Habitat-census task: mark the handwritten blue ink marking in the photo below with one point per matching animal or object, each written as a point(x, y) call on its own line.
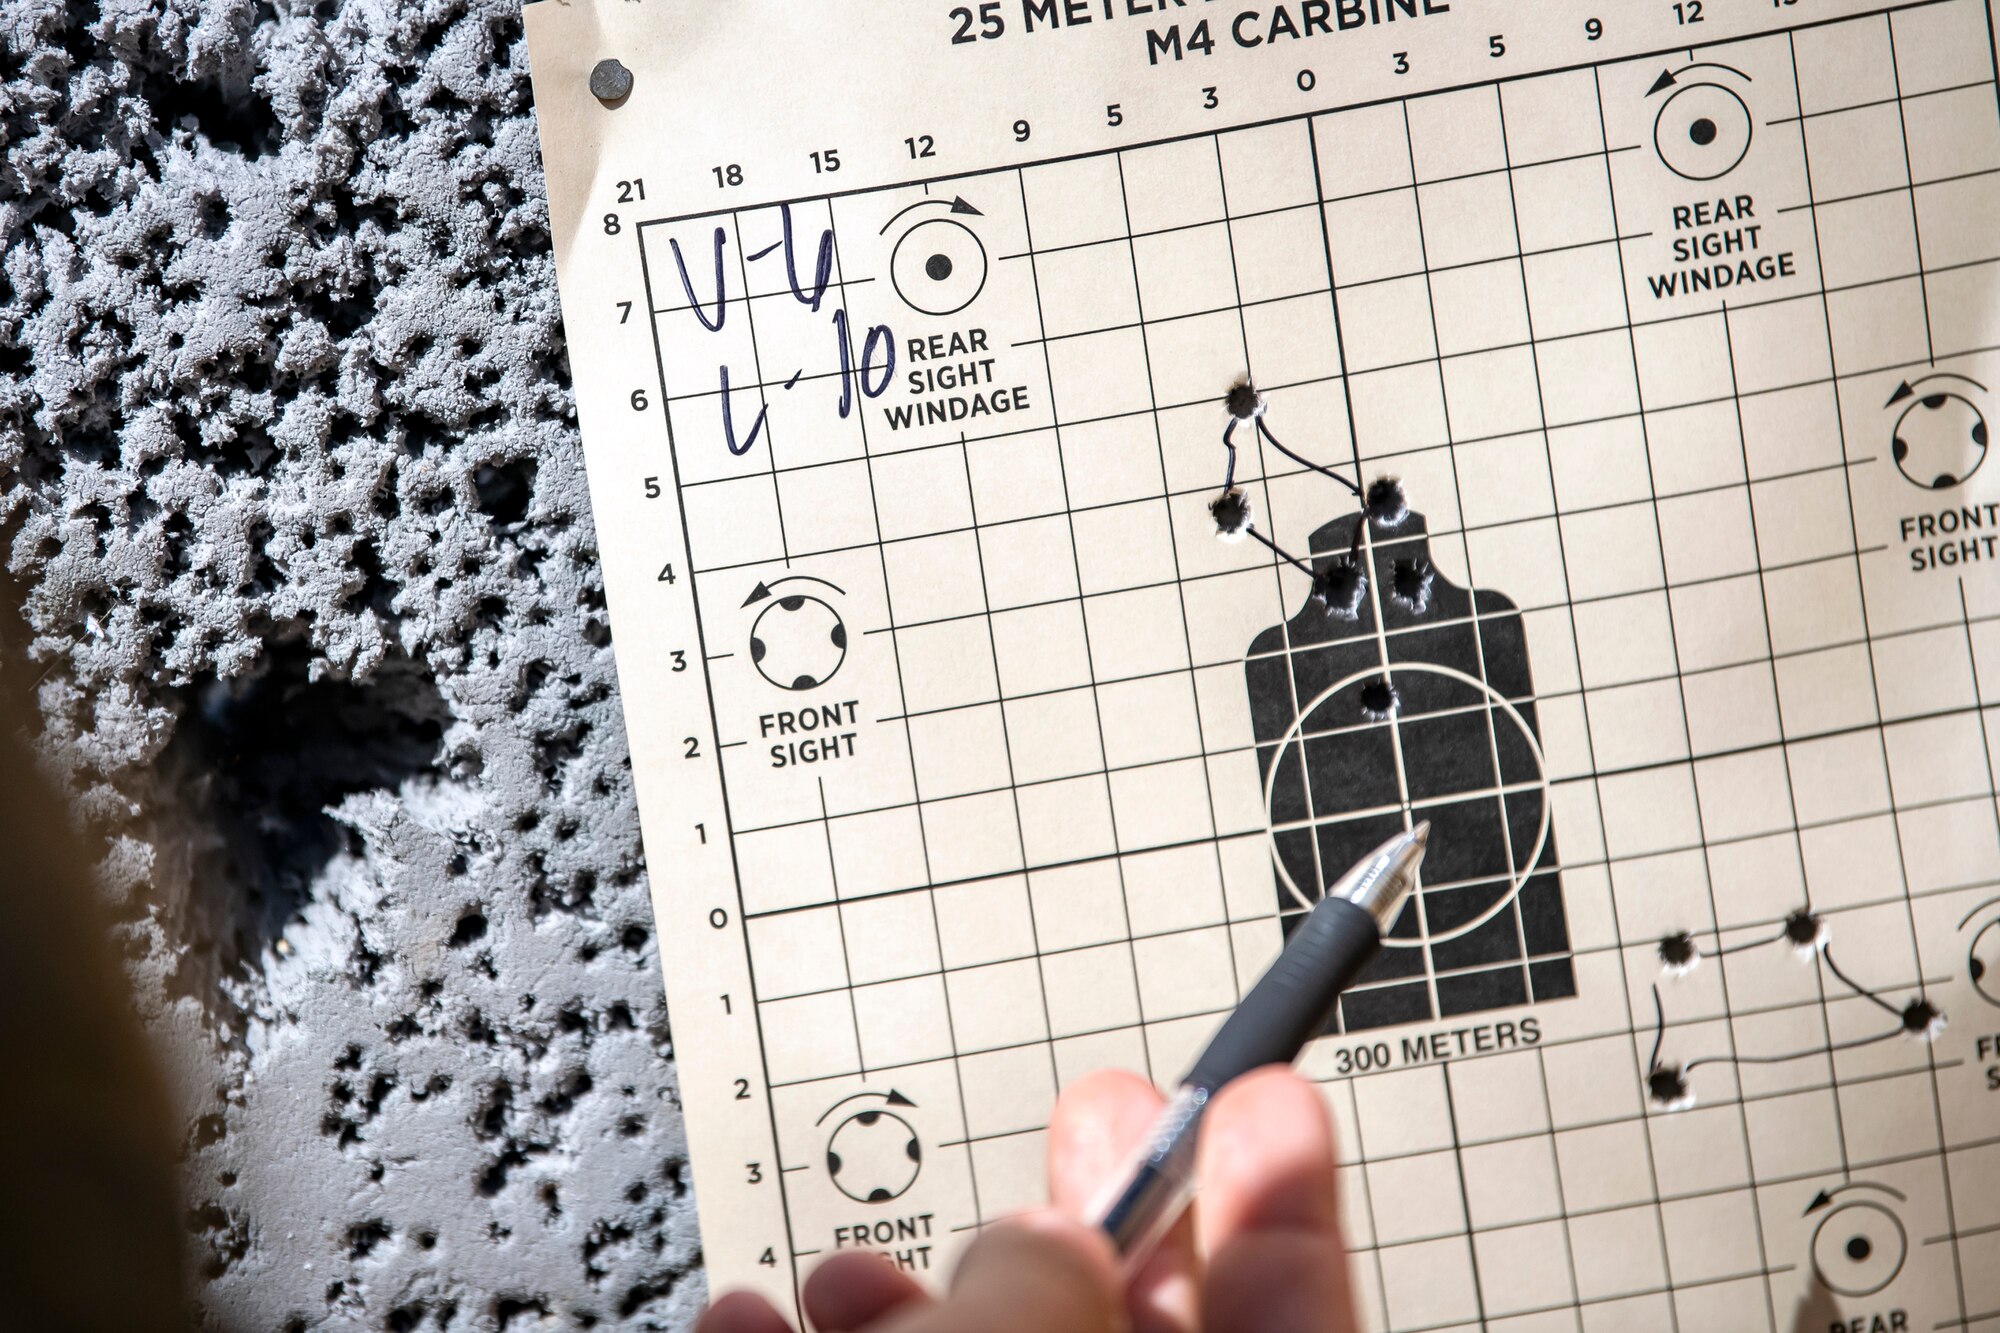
point(729, 422)
point(823, 270)
point(721, 286)
point(878, 337)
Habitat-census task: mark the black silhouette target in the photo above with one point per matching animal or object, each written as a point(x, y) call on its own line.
point(1859, 1248)
point(1939, 441)
point(939, 267)
point(798, 642)
point(1702, 131)
point(873, 1156)
point(1352, 750)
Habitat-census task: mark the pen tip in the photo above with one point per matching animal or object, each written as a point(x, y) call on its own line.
point(1383, 882)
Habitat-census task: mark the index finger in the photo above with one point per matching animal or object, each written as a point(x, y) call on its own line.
point(1099, 1121)
point(1267, 1160)
point(1269, 1211)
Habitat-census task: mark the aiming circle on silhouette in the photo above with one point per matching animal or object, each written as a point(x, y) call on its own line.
point(1344, 713)
point(1858, 1248)
point(939, 267)
point(873, 1156)
point(1702, 131)
point(1940, 440)
point(798, 642)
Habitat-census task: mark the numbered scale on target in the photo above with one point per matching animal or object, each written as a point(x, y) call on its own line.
point(1256, 64)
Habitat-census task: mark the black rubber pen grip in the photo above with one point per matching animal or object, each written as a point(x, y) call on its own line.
point(1291, 1003)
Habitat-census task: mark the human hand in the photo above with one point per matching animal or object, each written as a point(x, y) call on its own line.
point(1269, 1257)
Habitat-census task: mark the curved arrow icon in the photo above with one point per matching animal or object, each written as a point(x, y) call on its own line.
point(763, 589)
point(1825, 1197)
point(957, 202)
point(1906, 389)
point(1668, 77)
point(891, 1097)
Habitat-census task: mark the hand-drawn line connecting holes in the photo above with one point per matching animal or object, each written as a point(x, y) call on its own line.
point(1406, 805)
point(1806, 933)
point(1340, 585)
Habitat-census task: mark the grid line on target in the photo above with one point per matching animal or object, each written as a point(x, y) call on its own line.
point(1749, 394)
point(1673, 637)
point(1082, 619)
point(932, 910)
point(1870, 607)
point(1179, 573)
point(1517, 868)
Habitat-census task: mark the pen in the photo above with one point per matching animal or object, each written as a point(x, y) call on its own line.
point(1288, 1007)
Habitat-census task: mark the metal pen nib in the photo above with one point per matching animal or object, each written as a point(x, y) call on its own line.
point(1382, 883)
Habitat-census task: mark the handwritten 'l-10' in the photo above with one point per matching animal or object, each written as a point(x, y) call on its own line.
point(880, 342)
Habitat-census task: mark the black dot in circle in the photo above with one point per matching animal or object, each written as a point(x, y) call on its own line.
point(937, 268)
point(1858, 1248)
point(1702, 132)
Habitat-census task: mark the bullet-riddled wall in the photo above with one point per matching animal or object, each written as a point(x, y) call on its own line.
point(290, 480)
